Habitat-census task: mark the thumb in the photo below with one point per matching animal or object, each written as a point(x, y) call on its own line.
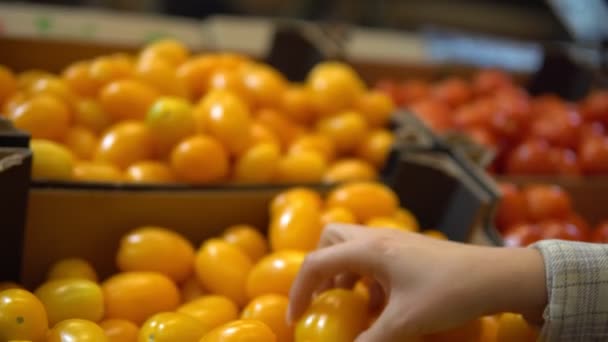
point(392, 325)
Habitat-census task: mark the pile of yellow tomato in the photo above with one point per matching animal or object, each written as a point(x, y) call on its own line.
point(232, 288)
point(167, 115)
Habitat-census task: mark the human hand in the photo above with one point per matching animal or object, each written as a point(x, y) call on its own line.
point(430, 285)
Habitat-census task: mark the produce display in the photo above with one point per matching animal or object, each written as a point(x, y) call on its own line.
point(233, 286)
point(166, 115)
point(536, 212)
point(532, 135)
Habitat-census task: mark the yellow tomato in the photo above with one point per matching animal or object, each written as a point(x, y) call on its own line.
point(195, 73)
point(191, 289)
point(345, 129)
point(170, 50)
point(337, 215)
point(171, 327)
point(169, 120)
point(97, 172)
point(275, 273)
point(376, 147)
point(301, 167)
point(286, 130)
point(71, 298)
point(388, 222)
point(22, 316)
point(161, 75)
point(295, 196)
point(211, 311)
point(12, 102)
point(106, 69)
point(8, 83)
point(271, 310)
point(156, 249)
point(127, 99)
point(150, 172)
point(76, 330)
point(125, 143)
point(226, 117)
point(260, 133)
point(314, 142)
point(78, 77)
point(376, 107)
point(89, 114)
point(43, 116)
point(258, 164)
point(200, 159)
point(119, 330)
point(334, 86)
point(336, 315)
point(297, 104)
point(51, 160)
point(263, 84)
point(350, 170)
point(247, 238)
point(135, 296)
point(365, 200)
point(81, 141)
point(435, 234)
point(26, 78)
point(72, 268)
point(241, 331)
point(296, 227)
point(228, 79)
point(407, 218)
point(513, 327)
point(222, 269)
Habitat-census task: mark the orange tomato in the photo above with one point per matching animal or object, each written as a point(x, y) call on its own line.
point(89, 114)
point(302, 167)
point(26, 78)
point(22, 316)
point(51, 160)
point(406, 218)
point(376, 147)
point(349, 170)
point(364, 199)
point(55, 87)
point(71, 298)
point(150, 172)
point(314, 142)
point(127, 99)
point(81, 141)
point(296, 227)
point(387, 222)
point(170, 50)
point(334, 86)
point(124, 144)
point(270, 310)
point(200, 159)
point(72, 268)
point(258, 165)
point(135, 296)
point(228, 79)
point(156, 249)
point(106, 69)
point(97, 172)
point(489, 329)
point(12, 102)
point(336, 315)
point(259, 133)
point(119, 330)
point(513, 327)
point(376, 107)
point(195, 74)
point(8, 83)
point(295, 196)
point(337, 215)
point(224, 116)
point(191, 289)
point(346, 130)
point(43, 116)
point(247, 238)
point(161, 75)
point(297, 104)
point(78, 78)
point(169, 120)
point(286, 130)
point(171, 327)
point(222, 269)
point(263, 84)
point(275, 273)
point(211, 311)
point(241, 331)
point(76, 330)
point(435, 234)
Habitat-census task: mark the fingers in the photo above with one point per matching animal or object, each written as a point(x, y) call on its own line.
point(335, 233)
point(389, 326)
point(377, 297)
point(325, 264)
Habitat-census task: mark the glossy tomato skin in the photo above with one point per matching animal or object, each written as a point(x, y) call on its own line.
point(71, 298)
point(211, 310)
point(271, 310)
point(22, 316)
point(274, 274)
point(522, 235)
point(593, 153)
point(244, 330)
point(532, 157)
point(512, 209)
point(560, 128)
point(600, 233)
point(547, 202)
point(76, 330)
point(170, 327)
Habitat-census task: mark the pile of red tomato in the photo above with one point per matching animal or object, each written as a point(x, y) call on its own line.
point(531, 134)
point(538, 212)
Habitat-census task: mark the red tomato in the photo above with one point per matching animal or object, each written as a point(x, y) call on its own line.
point(488, 81)
point(563, 231)
point(600, 233)
point(593, 128)
point(482, 136)
point(453, 91)
point(530, 157)
point(546, 104)
point(414, 90)
point(595, 106)
point(565, 162)
point(579, 221)
point(593, 153)
point(435, 115)
point(522, 235)
point(512, 209)
point(514, 100)
point(547, 202)
point(475, 114)
point(561, 128)
point(390, 88)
